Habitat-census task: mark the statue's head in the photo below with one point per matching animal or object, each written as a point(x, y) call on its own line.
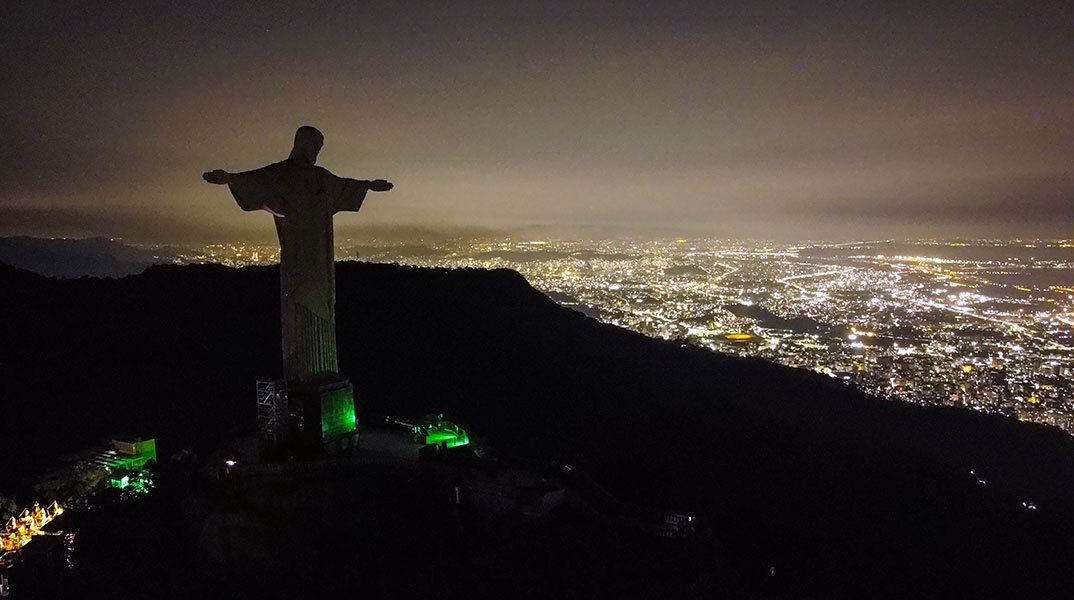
point(308, 142)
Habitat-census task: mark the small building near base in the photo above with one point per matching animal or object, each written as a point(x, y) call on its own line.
point(127, 454)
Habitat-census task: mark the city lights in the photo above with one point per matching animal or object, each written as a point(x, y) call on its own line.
point(918, 324)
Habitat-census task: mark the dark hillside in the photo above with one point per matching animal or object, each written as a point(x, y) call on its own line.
point(842, 493)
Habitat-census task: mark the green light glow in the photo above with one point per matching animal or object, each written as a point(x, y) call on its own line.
point(443, 432)
point(337, 414)
point(139, 483)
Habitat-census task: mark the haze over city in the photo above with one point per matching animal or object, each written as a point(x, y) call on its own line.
point(626, 118)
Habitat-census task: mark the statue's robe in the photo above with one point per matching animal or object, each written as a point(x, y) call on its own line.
point(302, 199)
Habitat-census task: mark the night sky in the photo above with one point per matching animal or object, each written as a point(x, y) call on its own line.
point(647, 118)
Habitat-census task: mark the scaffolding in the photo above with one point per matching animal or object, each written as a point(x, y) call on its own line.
point(272, 410)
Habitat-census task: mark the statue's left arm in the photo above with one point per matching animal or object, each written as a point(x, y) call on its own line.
point(351, 192)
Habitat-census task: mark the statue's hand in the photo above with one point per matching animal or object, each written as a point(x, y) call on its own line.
point(380, 185)
point(217, 177)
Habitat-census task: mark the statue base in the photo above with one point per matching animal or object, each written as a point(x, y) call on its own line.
point(324, 414)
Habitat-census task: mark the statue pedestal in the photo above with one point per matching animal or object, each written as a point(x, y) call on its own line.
point(326, 421)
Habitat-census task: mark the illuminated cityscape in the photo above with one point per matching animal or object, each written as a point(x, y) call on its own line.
point(982, 324)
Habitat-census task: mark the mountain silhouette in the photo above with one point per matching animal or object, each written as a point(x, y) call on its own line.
point(93, 257)
point(804, 480)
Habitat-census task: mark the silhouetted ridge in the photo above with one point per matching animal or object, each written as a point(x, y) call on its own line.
point(94, 257)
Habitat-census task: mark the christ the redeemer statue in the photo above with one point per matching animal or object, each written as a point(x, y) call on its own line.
point(302, 198)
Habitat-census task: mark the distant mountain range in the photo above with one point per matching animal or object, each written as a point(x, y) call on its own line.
point(93, 257)
point(812, 488)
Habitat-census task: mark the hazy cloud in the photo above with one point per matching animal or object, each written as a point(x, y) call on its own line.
point(685, 115)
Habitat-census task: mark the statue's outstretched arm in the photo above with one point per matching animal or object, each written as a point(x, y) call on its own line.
point(253, 190)
point(379, 185)
point(352, 192)
point(222, 177)
point(217, 177)
point(373, 185)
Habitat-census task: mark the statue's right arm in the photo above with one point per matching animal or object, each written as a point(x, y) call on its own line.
point(246, 199)
point(254, 190)
point(217, 177)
